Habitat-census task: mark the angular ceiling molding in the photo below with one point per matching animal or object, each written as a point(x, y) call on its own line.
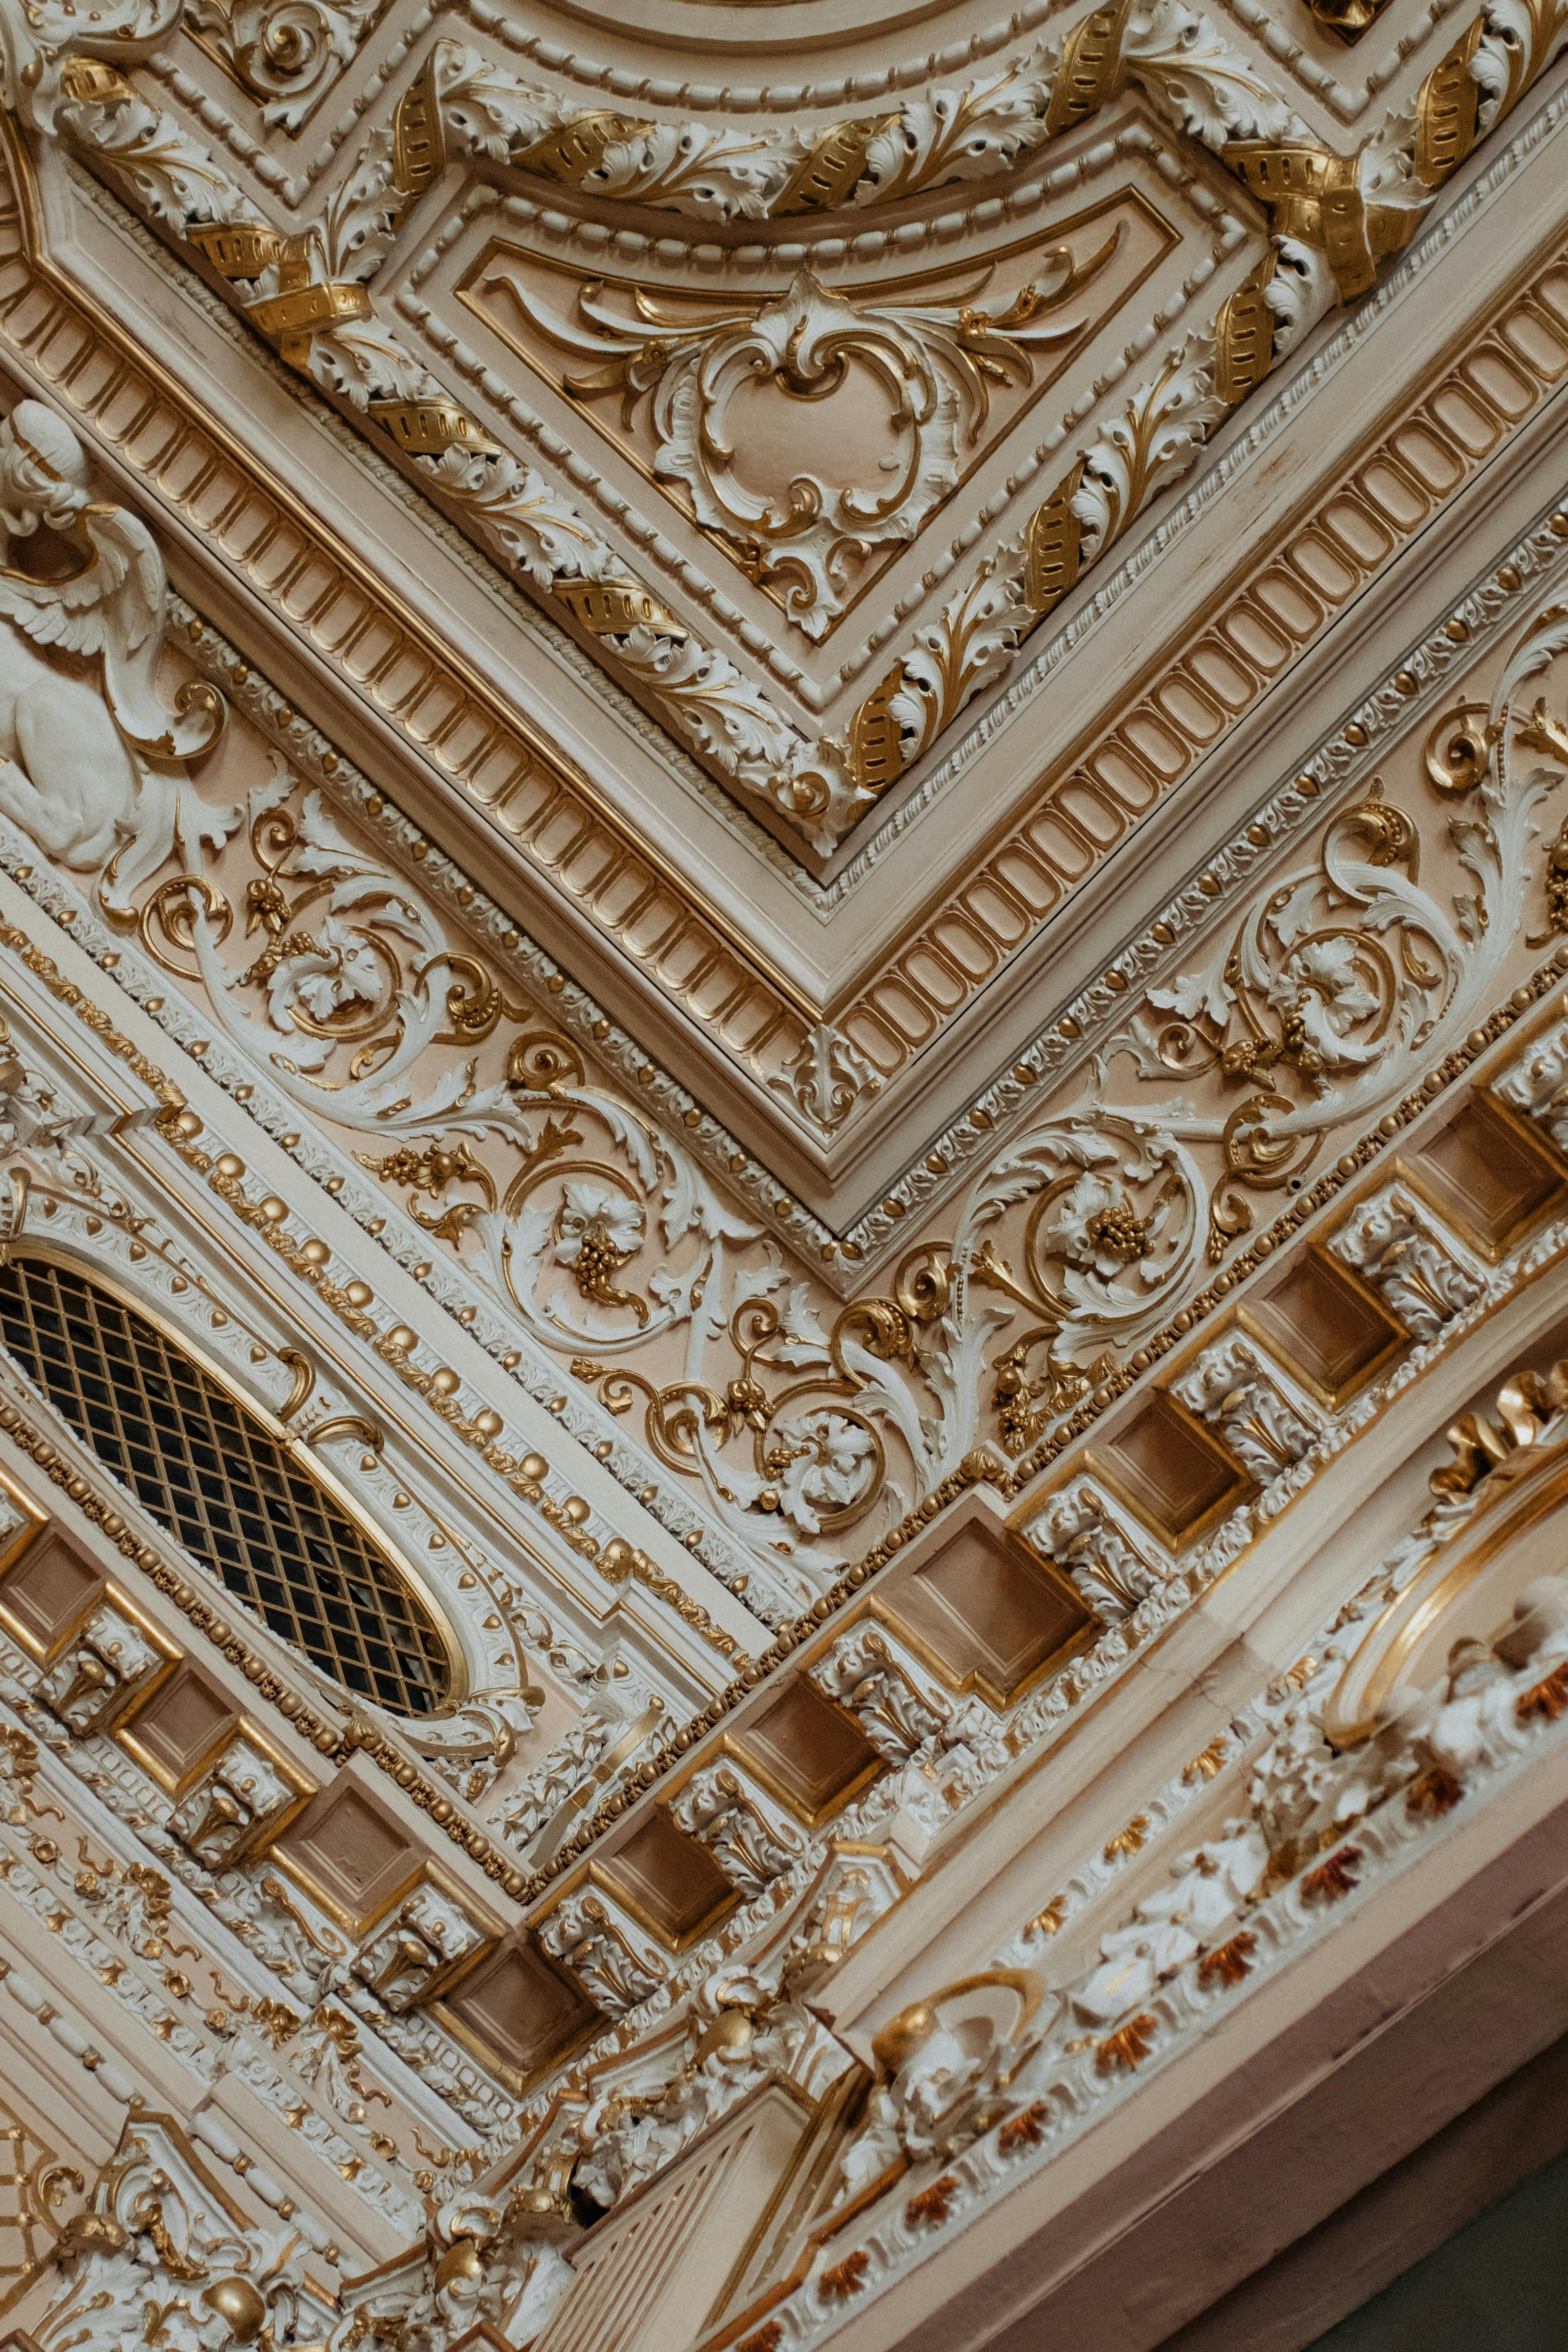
point(828, 1078)
point(306, 287)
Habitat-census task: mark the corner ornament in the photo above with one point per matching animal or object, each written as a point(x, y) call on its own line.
point(35, 41)
point(92, 772)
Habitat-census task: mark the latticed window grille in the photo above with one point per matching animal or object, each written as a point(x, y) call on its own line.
point(208, 1470)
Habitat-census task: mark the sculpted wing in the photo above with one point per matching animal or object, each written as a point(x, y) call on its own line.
point(113, 605)
point(66, 613)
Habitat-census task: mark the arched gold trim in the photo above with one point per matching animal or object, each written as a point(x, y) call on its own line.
point(1530, 1485)
point(912, 2027)
point(295, 1448)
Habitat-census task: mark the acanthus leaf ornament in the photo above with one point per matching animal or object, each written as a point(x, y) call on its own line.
point(827, 1078)
point(286, 53)
point(49, 54)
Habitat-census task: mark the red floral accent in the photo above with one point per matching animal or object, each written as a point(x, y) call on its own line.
point(1231, 1961)
point(767, 2339)
point(845, 2278)
point(1026, 2130)
point(1332, 1879)
point(1548, 1699)
point(1436, 1792)
point(1127, 2047)
point(929, 2207)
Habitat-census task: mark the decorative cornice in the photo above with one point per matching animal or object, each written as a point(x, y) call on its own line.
point(817, 790)
point(811, 1235)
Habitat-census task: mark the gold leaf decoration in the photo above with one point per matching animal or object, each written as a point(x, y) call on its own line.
point(569, 154)
point(610, 608)
point(424, 428)
point(1053, 546)
point(418, 136)
point(1446, 107)
point(876, 742)
point(1244, 336)
point(1090, 71)
point(822, 180)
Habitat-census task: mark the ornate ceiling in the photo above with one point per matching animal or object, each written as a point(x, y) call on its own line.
point(781, 844)
point(883, 512)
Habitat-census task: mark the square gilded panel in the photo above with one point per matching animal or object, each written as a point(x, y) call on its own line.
point(986, 1606)
point(1326, 1325)
point(181, 1725)
point(517, 2010)
point(1170, 1469)
point(351, 1853)
point(49, 1590)
point(1491, 1174)
point(667, 1880)
point(811, 1755)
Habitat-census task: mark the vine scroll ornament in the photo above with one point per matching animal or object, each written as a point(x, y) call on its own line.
point(690, 366)
point(804, 1422)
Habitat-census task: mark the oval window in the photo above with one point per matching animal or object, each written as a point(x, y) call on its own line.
point(230, 1493)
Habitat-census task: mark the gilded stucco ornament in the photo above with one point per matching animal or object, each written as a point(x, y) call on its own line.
point(286, 54)
point(949, 2068)
point(47, 51)
point(934, 362)
point(1393, 1243)
point(1336, 219)
point(161, 2254)
point(808, 1425)
point(1004, 2068)
point(1345, 979)
point(463, 103)
point(496, 2264)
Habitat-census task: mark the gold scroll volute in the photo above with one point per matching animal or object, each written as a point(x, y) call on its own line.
point(1090, 72)
point(1054, 546)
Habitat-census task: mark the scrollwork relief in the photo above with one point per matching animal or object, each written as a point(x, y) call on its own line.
point(1020, 2062)
point(806, 1426)
point(159, 2251)
point(498, 2264)
point(286, 54)
point(690, 369)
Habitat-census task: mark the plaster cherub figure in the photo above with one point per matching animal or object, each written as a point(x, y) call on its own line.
point(87, 747)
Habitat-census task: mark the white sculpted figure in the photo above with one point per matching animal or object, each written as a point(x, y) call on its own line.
point(1210, 1884)
point(87, 746)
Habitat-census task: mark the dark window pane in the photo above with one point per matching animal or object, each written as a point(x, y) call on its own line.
point(219, 1484)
